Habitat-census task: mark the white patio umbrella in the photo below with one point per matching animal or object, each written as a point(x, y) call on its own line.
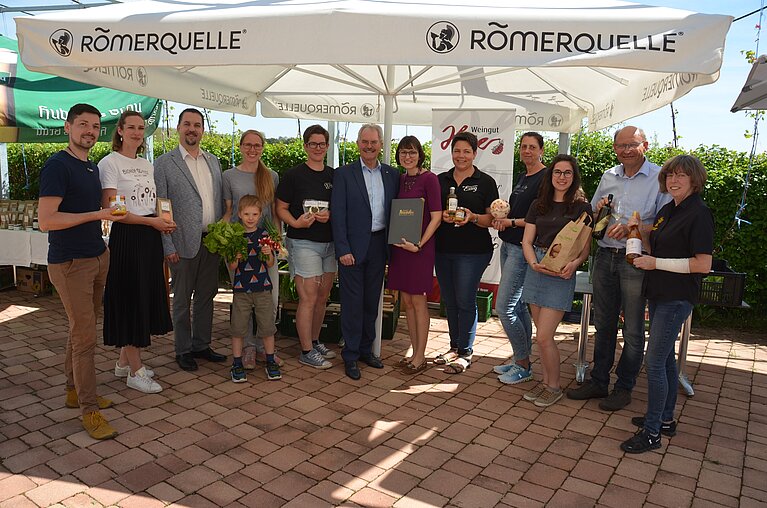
point(754, 92)
point(556, 62)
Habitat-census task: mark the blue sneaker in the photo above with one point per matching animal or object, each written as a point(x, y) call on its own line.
point(273, 371)
point(238, 374)
point(503, 369)
point(516, 374)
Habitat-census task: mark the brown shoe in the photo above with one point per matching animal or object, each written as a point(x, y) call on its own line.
point(411, 369)
point(73, 402)
point(97, 426)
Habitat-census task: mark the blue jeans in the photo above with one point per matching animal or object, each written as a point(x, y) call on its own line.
point(459, 276)
point(512, 311)
point(617, 285)
point(666, 319)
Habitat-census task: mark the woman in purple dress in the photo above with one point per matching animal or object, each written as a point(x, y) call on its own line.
point(411, 265)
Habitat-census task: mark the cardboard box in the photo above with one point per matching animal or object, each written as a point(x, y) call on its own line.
point(34, 281)
point(6, 277)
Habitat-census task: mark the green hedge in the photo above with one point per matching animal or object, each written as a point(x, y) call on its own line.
point(741, 246)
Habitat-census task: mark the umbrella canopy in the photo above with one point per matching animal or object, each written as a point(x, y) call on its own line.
point(754, 92)
point(556, 62)
point(33, 106)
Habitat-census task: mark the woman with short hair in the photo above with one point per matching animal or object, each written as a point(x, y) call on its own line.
point(679, 247)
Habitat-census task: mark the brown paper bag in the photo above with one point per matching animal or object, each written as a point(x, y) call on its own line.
point(568, 244)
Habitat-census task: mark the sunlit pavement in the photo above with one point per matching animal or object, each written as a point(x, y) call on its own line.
point(316, 438)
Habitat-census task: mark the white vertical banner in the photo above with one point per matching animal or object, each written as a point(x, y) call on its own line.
point(495, 131)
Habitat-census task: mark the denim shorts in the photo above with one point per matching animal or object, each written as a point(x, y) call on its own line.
point(546, 290)
point(307, 258)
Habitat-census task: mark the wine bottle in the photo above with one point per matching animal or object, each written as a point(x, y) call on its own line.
point(603, 218)
point(634, 241)
point(452, 203)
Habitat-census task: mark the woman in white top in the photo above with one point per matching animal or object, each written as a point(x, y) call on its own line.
point(135, 297)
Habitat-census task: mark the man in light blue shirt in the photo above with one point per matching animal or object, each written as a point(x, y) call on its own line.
point(359, 213)
point(617, 284)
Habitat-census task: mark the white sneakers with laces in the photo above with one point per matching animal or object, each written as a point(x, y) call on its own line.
point(142, 382)
point(124, 371)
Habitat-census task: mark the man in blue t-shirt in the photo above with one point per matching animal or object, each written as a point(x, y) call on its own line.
point(78, 260)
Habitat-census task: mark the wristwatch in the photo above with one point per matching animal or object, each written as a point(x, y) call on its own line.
point(513, 223)
point(475, 219)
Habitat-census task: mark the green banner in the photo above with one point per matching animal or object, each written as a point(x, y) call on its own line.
point(33, 106)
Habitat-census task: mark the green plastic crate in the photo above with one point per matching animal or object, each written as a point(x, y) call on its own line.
point(484, 305)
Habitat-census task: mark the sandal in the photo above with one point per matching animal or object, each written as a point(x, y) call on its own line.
point(458, 366)
point(445, 358)
point(411, 369)
point(402, 363)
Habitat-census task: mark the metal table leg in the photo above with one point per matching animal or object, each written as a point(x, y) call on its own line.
point(682, 358)
point(583, 339)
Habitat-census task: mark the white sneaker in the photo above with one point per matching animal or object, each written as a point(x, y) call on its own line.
point(124, 371)
point(143, 383)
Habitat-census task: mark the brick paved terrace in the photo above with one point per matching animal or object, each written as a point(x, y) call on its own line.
point(317, 439)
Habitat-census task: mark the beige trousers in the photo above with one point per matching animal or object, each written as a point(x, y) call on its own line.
point(80, 284)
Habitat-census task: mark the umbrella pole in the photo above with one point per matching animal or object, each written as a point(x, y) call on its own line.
point(388, 113)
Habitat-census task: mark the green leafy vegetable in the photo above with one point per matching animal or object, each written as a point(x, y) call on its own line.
point(227, 240)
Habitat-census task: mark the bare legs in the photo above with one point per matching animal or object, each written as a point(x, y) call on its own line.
point(417, 313)
point(312, 294)
point(546, 322)
point(131, 356)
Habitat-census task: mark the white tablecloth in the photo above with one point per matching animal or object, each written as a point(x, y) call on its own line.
point(22, 248)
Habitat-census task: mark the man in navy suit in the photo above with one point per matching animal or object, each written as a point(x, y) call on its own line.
point(359, 211)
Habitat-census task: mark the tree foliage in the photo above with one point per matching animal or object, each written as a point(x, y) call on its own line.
point(739, 245)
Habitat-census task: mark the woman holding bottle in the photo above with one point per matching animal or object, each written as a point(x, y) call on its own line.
point(463, 248)
point(252, 177)
point(548, 293)
point(512, 311)
point(679, 247)
point(135, 297)
point(411, 264)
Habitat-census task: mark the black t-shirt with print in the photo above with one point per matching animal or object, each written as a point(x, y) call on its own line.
point(476, 193)
point(679, 232)
point(521, 197)
point(299, 184)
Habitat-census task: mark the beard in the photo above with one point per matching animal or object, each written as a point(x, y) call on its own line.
point(191, 140)
point(85, 143)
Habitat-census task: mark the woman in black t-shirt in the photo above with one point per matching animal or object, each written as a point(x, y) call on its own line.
point(512, 311)
point(464, 249)
point(680, 243)
point(303, 201)
point(548, 293)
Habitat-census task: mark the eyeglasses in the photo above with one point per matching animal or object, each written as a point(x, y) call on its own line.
point(314, 145)
point(251, 146)
point(408, 153)
point(679, 174)
point(626, 146)
point(567, 174)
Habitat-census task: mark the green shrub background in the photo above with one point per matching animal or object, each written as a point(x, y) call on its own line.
point(741, 246)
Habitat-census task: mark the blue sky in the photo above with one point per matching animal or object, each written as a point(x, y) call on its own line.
point(703, 116)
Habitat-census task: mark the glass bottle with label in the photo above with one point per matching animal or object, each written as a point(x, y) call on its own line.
point(600, 225)
point(634, 241)
point(452, 203)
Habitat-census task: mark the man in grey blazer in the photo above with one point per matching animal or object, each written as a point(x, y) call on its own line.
point(191, 179)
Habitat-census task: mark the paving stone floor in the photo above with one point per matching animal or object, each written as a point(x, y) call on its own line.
point(317, 439)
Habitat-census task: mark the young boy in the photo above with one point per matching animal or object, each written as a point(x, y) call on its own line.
point(252, 290)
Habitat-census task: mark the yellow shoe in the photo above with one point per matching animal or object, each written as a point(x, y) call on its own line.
point(73, 402)
point(97, 426)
